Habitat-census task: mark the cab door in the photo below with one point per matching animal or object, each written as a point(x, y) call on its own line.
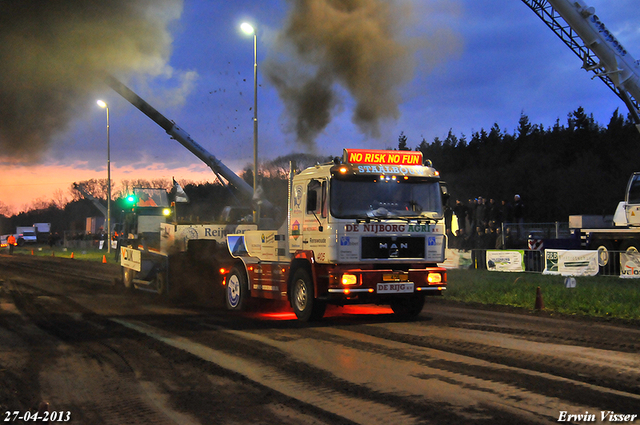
point(315, 236)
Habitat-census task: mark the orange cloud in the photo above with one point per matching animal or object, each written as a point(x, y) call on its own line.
point(22, 185)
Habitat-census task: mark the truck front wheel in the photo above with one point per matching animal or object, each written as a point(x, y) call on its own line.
point(304, 304)
point(236, 290)
point(408, 308)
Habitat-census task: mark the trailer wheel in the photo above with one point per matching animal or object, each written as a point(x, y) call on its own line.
point(306, 307)
point(162, 286)
point(127, 278)
point(236, 290)
point(407, 308)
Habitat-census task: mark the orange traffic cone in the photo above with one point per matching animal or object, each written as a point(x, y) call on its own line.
point(539, 302)
point(32, 252)
point(104, 259)
point(72, 255)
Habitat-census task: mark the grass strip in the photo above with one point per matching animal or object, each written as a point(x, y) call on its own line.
point(598, 296)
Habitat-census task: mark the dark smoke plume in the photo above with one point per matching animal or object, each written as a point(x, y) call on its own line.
point(53, 53)
point(351, 43)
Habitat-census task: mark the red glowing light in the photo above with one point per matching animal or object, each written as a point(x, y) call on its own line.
point(353, 310)
point(281, 312)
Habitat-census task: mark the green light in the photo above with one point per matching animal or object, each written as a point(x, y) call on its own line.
point(131, 199)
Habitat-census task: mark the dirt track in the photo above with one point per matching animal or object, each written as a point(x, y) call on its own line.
point(72, 339)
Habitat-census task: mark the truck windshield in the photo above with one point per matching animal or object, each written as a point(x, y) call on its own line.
point(366, 197)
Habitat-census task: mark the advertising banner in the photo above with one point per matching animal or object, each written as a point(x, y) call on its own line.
point(630, 265)
point(570, 263)
point(456, 259)
point(505, 261)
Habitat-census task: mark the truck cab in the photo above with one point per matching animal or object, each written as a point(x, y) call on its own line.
point(628, 212)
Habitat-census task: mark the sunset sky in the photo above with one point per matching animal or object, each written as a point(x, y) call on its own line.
point(439, 65)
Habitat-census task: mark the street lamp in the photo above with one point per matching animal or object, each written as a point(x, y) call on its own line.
point(102, 104)
point(249, 29)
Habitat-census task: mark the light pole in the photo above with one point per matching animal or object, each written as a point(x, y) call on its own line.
point(249, 29)
point(102, 104)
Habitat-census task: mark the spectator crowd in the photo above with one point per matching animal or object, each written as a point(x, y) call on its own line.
point(478, 224)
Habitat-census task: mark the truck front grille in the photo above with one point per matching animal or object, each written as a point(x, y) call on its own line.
point(380, 247)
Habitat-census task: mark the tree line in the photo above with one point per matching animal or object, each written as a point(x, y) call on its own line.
point(576, 167)
point(573, 168)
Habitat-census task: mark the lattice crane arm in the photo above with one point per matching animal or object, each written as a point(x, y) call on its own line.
point(581, 30)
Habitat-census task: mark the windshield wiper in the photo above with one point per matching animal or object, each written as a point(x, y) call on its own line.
point(380, 212)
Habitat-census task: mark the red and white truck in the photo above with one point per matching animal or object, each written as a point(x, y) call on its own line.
point(368, 229)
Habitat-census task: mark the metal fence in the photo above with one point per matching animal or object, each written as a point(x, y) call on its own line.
point(524, 232)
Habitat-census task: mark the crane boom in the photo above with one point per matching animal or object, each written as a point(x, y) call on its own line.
point(581, 30)
point(80, 188)
point(181, 136)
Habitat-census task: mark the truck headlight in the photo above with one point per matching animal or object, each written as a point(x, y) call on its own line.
point(349, 279)
point(434, 278)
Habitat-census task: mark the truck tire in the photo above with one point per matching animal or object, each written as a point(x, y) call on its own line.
point(605, 254)
point(631, 245)
point(162, 284)
point(236, 290)
point(306, 307)
point(407, 307)
point(127, 278)
point(608, 259)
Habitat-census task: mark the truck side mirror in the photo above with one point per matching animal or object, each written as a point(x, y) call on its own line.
point(444, 192)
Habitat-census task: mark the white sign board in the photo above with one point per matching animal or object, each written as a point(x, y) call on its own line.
point(630, 265)
point(570, 263)
point(456, 259)
point(505, 261)
point(130, 258)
